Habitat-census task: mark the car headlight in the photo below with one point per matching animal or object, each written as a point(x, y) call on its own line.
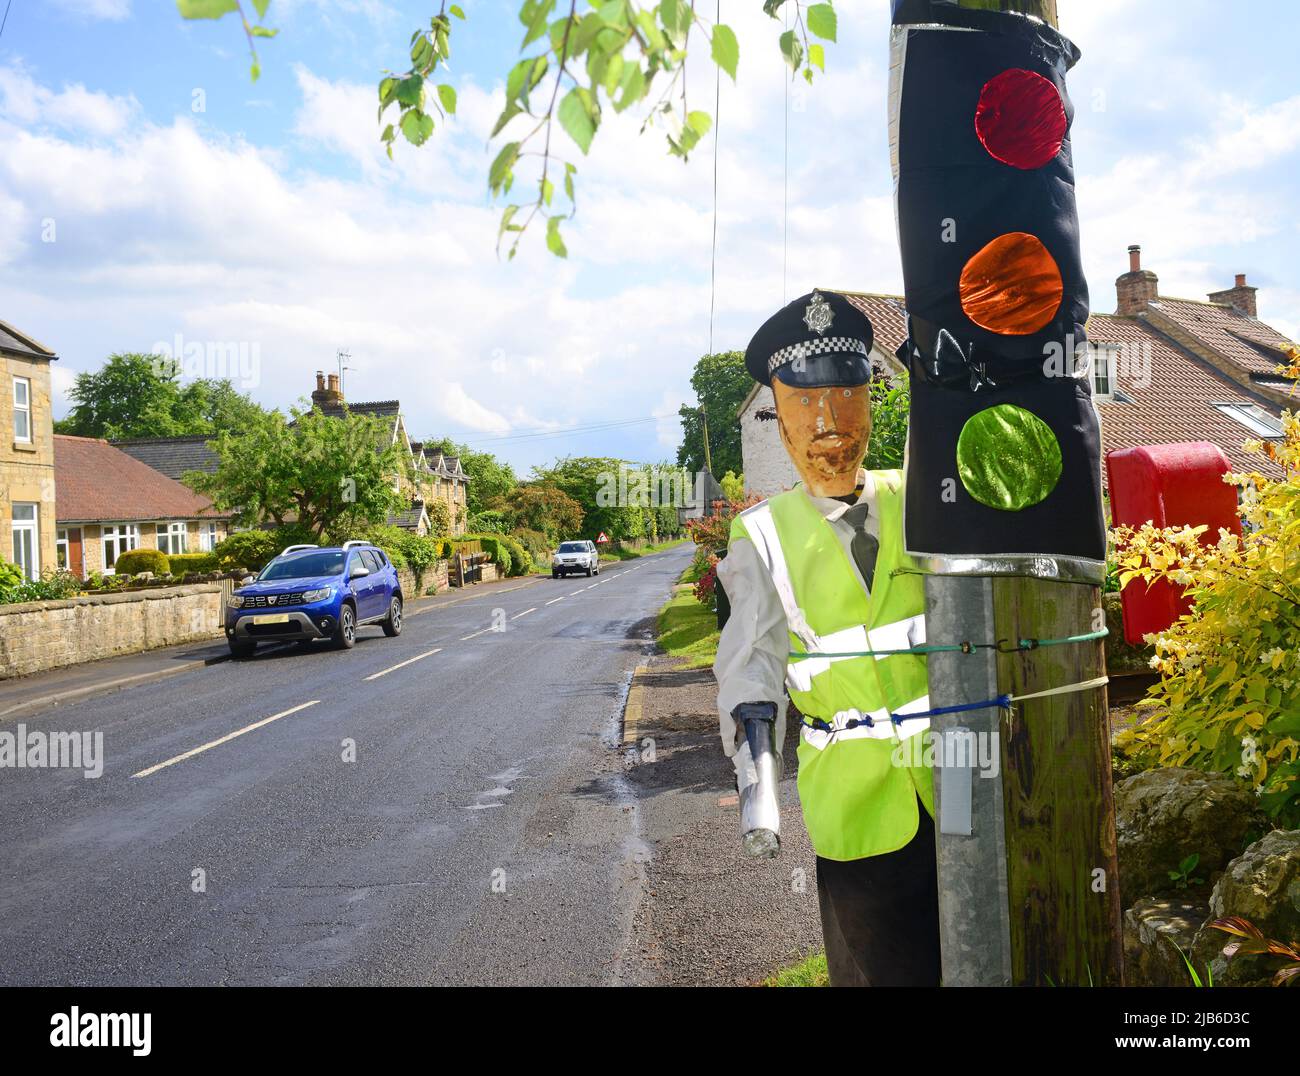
point(236, 601)
point(317, 595)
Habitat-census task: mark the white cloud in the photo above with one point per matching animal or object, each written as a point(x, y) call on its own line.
point(73, 109)
point(112, 10)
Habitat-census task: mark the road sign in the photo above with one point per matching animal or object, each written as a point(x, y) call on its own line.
point(602, 538)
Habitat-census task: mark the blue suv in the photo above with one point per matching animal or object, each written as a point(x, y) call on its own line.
point(311, 593)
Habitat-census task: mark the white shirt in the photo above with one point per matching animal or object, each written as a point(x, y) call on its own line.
point(755, 643)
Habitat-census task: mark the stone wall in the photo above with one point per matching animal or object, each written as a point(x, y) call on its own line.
point(36, 636)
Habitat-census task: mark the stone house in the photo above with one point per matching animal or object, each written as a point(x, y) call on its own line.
point(1163, 370)
point(443, 480)
point(27, 512)
point(109, 502)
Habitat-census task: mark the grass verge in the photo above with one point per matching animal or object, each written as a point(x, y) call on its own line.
point(686, 629)
point(811, 972)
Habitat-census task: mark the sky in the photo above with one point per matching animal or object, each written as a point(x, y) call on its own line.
point(150, 193)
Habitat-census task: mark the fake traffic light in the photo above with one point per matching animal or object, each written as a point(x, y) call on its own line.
point(1003, 448)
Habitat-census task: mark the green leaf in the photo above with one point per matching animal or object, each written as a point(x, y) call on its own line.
point(548, 191)
point(205, 9)
point(577, 116)
point(417, 126)
point(817, 56)
point(262, 31)
point(533, 15)
point(726, 49)
point(822, 22)
point(505, 161)
point(455, 10)
point(699, 122)
point(508, 113)
point(632, 87)
point(553, 241)
point(569, 170)
point(410, 91)
point(791, 49)
point(255, 71)
point(447, 95)
point(261, 6)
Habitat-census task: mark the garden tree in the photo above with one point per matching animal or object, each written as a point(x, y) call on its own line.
point(541, 506)
point(733, 486)
point(721, 384)
point(134, 395)
point(578, 61)
point(489, 477)
point(889, 410)
point(320, 471)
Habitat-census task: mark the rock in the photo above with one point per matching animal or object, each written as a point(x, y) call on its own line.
point(1164, 815)
point(1155, 929)
point(1261, 885)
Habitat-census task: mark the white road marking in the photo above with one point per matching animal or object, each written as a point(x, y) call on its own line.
point(524, 613)
point(592, 585)
point(224, 739)
point(403, 664)
point(554, 600)
point(466, 638)
point(578, 591)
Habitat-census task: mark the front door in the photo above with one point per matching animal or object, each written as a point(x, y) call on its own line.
point(76, 558)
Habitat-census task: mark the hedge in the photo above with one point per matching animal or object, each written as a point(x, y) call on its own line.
point(142, 560)
point(192, 562)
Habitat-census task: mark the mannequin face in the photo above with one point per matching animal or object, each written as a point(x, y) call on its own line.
point(826, 431)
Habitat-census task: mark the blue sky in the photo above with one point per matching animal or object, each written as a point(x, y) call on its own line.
point(272, 220)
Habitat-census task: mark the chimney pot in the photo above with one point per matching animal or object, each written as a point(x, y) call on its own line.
point(320, 381)
point(1241, 280)
point(334, 382)
point(1137, 287)
point(1134, 258)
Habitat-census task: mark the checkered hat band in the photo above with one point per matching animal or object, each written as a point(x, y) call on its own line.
point(808, 348)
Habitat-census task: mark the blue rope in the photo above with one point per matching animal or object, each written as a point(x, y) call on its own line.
point(1002, 701)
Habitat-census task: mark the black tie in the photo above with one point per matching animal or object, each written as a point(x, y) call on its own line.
point(864, 546)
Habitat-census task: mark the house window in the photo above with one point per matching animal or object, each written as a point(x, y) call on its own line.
point(118, 540)
point(61, 548)
point(207, 537)
point(27, 546)
point(1101, 367)
point(1254, 418)
point(171, 537)
point(22, 409)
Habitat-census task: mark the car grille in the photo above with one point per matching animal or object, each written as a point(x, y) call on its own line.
point(263, 601)
point(275, 629)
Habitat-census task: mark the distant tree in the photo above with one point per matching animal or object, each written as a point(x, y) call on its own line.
point(594, 482)
point(541, 506)
point(321, 471)
point(721, 384)
point(489, 477)
point(135, 395)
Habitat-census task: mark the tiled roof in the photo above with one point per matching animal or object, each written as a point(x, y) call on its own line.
point(1172, 401)
point(172, 456)
point(408, 519)
point(95, 482)
point(1241, 339)
point(19, 343)
point(383, 408)
point(888, 317)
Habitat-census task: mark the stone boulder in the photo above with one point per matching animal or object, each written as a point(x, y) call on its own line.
point(1164, 815)
point(1157, 932)
point(1261, 885)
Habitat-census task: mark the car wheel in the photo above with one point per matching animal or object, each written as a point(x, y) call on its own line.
point(597, 569)
point(393, 625)
point(555, 575)
point(345, 635)
point(241, 650)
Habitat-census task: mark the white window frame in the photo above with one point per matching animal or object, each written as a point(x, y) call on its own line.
point(1103, 363)
point(124, 536)
point(207, 537)
point(167, 534)
point(62, 551)
point(1252, 416)
point(24, 409)
point(28, 559)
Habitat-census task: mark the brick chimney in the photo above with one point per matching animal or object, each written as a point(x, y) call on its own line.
point(1241, 295)
point(1137, 287)
point(326, 397)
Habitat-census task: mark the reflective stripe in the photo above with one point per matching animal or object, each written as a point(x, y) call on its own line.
point(881, 728)
point(762, 532)
point(800, 671)
point(900, 635)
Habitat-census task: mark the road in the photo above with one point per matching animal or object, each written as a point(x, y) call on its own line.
point(484, 832)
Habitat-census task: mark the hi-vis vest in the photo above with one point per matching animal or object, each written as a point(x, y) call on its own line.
point(857, 800)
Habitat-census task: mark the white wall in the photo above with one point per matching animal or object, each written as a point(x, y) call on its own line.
point(768, 469)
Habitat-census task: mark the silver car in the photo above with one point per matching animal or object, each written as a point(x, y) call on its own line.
point(574, 557)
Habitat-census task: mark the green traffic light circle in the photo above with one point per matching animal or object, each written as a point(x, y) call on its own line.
point(1008, 458)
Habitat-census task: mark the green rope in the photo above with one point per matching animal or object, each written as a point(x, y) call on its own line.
point(962, 648)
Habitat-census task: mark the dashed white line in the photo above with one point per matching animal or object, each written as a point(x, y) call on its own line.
point(578, 591)
point(524, 613)
point(466, 638)
point(224, 739)
point(554, 600)
point(403, 664)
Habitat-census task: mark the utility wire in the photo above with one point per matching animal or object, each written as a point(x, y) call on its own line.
point(6, 18)
point(785, 173)
point(717, 131)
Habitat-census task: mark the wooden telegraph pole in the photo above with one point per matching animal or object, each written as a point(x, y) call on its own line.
point(1028, 877)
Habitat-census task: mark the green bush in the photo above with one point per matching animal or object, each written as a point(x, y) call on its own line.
point(143, 560)
point(536, 543)
point(421, 553)
point(489, 522)
point(10, 575)
point(192, 562)
point(52, 586)
point(509, 555)
point(247, 549)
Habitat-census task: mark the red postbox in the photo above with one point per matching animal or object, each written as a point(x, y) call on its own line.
point(1179, 485)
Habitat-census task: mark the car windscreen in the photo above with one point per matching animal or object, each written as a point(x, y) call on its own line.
point(303, 567)
point(572, 547)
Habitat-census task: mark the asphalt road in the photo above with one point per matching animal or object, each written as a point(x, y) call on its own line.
point(484, 832)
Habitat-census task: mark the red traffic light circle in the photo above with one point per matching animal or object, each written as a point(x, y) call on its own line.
point(1020, 118)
